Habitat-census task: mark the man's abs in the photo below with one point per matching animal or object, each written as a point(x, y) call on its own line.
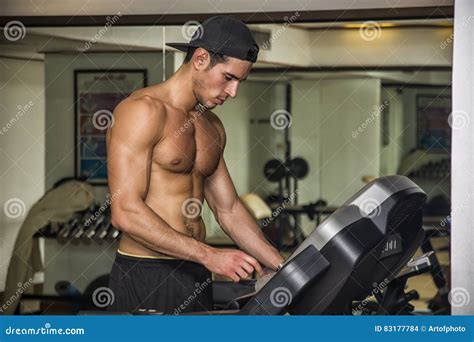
point(194, 228)
point(178, 200)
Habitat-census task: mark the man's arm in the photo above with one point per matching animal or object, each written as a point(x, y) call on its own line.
point(234, 218)
point(137, 128)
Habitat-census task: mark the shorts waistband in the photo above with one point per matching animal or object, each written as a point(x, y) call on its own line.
point(137, 259)
point(160, 257)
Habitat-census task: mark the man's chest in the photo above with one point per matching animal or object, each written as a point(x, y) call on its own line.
point(189, 145)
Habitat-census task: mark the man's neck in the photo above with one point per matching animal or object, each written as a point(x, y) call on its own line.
point(180, 90)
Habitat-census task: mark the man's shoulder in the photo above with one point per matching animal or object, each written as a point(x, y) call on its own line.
point(142, 105)
point(218, 125)
point(142, 117)
point(144, 99)
point(214, 118)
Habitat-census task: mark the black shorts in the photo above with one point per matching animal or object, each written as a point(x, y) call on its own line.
point(166, 285)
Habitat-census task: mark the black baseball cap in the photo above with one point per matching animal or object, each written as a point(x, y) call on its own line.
point(223, 34)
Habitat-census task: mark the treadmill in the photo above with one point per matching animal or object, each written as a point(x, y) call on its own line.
point(362, 246)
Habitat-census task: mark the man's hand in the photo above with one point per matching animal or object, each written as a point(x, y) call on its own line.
point(231, 263)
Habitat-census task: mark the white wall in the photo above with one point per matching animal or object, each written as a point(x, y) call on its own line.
point(250, 145)
point(462, 238)
point(306, 135)
point(391, 155)
point(306, 140)
point(22, 150)
point(325, 116)
point(346, 105)
point(265, 141)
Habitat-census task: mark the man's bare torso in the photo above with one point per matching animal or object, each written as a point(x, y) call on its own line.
point(188, 152)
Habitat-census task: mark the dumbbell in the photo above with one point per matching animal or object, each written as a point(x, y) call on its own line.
point(113, 234)
point(90, 232)
point(103, 229)
point(78, 231)
point(275, 170)
point(65, 232)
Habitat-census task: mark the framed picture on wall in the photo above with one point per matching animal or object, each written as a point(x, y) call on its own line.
point(433, 132)
point(96, 94)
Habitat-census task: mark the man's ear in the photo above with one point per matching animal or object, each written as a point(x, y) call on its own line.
point(201, 59)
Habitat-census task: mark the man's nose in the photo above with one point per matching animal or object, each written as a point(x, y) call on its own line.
point(231, 90)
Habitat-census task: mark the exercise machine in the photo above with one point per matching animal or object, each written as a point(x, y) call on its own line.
point(362, 246)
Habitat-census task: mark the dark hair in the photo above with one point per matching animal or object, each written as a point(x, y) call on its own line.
point(215, 57)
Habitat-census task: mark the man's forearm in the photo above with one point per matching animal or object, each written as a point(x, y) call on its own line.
point(142, 224)
point(242, 228)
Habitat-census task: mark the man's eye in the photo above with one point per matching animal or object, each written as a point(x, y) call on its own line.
point(228, 78)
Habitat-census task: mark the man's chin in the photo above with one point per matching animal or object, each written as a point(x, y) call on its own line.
point(211, 105)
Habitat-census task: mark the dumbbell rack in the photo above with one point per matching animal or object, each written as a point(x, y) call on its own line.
point(85, 227)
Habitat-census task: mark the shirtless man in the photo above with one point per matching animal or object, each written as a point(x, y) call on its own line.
point(165, 156)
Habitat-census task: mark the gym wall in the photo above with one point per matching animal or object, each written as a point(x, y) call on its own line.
point(392, 154)
point(22, 148)
point(250, 141)
point(337, 160)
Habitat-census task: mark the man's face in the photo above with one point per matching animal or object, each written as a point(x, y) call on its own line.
point(215, 85)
